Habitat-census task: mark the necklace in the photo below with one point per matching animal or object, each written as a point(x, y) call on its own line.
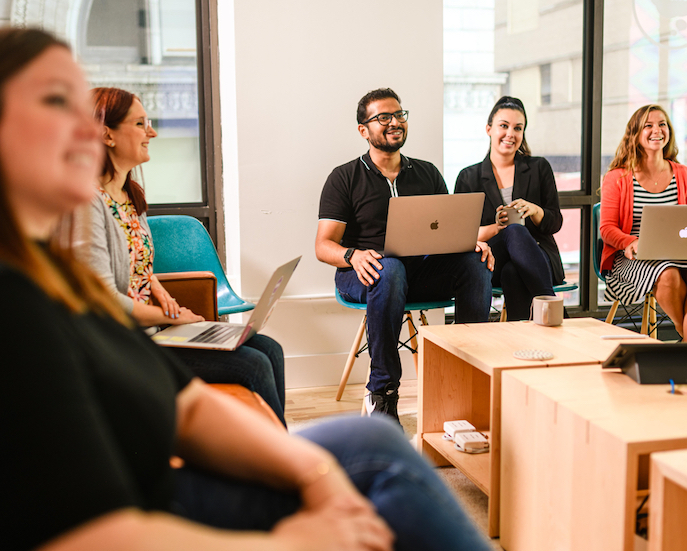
point(659, 174)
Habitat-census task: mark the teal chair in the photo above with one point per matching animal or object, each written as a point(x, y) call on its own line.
point(649, 322)
point(497, 292)
point(356, 349)
point(182, 244)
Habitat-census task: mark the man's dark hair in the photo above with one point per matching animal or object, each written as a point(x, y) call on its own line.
point(374, 95)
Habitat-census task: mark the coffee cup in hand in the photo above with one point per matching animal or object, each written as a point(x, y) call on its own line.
point(547, 310)
point(514, 216)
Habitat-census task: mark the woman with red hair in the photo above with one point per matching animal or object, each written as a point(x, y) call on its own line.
point(120, 249)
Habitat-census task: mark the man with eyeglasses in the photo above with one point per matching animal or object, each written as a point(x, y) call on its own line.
point(351, 230)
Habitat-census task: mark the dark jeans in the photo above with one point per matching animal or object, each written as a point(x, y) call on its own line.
point(258, 364)
point(414, 279)
point(403, 487)
point(522, 270)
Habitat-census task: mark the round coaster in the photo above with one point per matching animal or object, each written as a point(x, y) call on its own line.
point(540, 355)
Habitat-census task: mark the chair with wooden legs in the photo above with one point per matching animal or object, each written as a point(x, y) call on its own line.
point(649, 307)
point(409, 344)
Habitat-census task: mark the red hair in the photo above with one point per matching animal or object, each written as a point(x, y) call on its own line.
point(111, 107)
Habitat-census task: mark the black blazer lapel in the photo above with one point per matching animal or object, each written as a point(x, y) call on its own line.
point(523, 173)
point(491, 188)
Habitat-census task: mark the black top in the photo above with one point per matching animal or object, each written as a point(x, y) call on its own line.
point(534, 182)
point(88, 416)
point(357, 194)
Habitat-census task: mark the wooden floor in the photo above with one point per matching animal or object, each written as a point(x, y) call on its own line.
point(305, 404)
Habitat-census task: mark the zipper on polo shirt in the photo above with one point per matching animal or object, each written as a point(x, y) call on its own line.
point(392, 187)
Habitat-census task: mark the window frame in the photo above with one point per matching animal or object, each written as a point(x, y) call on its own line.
point(209, 134)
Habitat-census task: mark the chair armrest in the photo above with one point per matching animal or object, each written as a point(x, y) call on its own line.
point(251, 399)
point(196, 291)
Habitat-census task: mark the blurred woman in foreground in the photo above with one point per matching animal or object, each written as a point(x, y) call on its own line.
point(92, 410)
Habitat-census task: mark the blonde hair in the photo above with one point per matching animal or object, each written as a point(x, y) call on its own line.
point(53, 267)
point(630, 154)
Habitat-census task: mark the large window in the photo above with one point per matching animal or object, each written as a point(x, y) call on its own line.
point(582, 67)
point(150, 48)
point(645, 61)
point(498, 47)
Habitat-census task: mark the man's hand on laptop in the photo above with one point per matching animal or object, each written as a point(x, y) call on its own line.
point(366, 265)
point(486, 254)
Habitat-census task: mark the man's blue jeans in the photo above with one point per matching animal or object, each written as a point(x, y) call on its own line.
point(400, 483)
point(522, 270)
point(414, 279)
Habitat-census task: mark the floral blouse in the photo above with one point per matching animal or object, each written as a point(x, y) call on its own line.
point(140, 248)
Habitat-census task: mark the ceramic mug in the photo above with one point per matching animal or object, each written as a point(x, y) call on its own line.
point(514, 216)
point(547, 310)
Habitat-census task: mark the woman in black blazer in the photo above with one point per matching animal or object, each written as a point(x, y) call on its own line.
point(528, 263)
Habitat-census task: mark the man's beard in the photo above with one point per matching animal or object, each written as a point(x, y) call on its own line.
point(386, 146)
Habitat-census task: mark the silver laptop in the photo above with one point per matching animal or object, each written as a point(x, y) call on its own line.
point(663, 233)
point(433, 224)
point(219, 335)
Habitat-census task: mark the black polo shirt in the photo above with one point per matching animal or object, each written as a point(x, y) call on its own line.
point(357, 194)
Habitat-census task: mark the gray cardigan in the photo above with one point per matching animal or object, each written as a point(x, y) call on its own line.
point(106, 251)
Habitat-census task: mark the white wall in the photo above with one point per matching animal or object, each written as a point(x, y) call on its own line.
point(299, 69)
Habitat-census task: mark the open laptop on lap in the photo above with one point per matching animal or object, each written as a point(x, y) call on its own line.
point(433, 224)
point(217, 335)
point(663, 233)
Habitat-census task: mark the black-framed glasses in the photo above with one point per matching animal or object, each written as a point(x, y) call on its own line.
point(385, 118)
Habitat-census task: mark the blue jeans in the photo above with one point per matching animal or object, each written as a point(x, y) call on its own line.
point(414, 279)
point(258, 364)
point(406, 492)
point(522, 270)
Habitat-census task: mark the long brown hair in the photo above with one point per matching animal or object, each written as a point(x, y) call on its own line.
point(111, 107)
point(630, 154)
point(54, 270)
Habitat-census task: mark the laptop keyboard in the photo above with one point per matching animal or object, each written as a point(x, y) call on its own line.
point(217, 334)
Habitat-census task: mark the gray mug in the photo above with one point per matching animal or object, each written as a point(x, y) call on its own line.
point(547, 310)
point(514, 216)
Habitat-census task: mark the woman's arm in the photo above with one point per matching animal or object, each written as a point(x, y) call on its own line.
point(546, 215)
point(107, 256)
point(134, 530)
point(219, 433)
point(611, 232)
point(468, 182)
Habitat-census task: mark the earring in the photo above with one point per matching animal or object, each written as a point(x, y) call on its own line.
point(112, 144)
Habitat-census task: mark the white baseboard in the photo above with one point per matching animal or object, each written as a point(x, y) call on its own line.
point(326, 369)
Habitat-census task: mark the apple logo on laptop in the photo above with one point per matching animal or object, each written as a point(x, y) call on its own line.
point(435, 225)
point(683, 233)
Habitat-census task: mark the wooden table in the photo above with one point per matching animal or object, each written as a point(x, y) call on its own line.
point(668, 501)
point(459, 377)
point(575, 451)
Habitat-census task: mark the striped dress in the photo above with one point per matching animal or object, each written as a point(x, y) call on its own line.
point(629, 280)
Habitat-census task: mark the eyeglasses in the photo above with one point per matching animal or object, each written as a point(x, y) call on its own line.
point(385, 118)
point(145, 123)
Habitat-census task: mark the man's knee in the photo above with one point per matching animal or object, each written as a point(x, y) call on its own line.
point(472, 265)
point(392, 277)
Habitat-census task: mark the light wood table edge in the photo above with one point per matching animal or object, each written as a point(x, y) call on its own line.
point(661, 471)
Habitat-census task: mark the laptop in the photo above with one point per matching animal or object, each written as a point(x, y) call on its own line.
point(433, 224)
point(218, 335)
point(663, 233)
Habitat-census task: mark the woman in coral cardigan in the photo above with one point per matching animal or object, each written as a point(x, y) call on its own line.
point(644, 171)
